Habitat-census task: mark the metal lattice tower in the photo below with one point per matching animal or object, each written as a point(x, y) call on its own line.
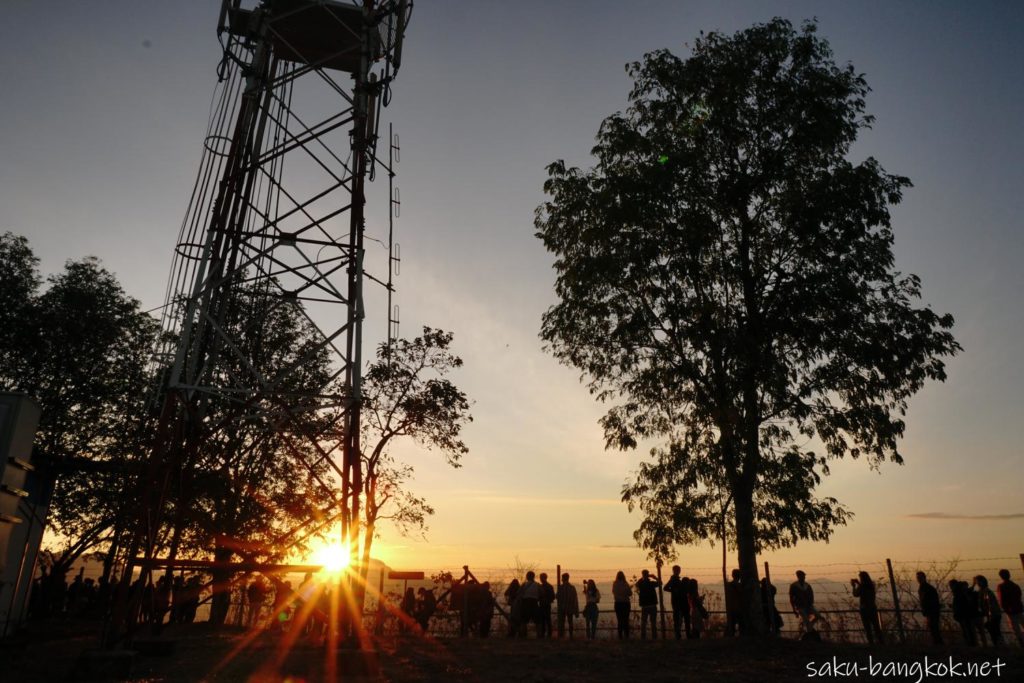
point(277, 212)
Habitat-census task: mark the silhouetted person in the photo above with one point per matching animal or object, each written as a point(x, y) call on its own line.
point(1010, 600)
point(485, 609)
point(283, 597)
point(698, 615)
point(864, 591)
point(592, 596)
point(476, 600)
point(547, 597)
point(307, 594)
point(39, 597)
point(733, 604)
point(965, 610)
point(462, 597)
point(930, 606)
point(425, 608)
point(979, 618)
point(161, 602)
point(255, 595)
point(40, 600)
point(103, 592)
point(60, 592)
point(193, 587)
point(74, 593)
point(178, 599)
point(466, 598)
point(676, 587)
point(622, 593)
point(511, 593)
point(991, 615)
point(88, 600)
point(408, 610)
point(122, 594)
point(143, 592)
point(528, 597)
point(324, 602)
point(772, 618)
point(647, 596)
point(801, 599)
point(568, 605)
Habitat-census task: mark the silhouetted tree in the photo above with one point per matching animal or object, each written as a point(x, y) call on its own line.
point(726, 278)
point(407, 395)
point(80, 346)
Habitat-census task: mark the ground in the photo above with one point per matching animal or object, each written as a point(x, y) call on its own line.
point(202, 654)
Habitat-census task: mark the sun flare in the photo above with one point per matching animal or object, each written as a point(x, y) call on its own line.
point(333, 558)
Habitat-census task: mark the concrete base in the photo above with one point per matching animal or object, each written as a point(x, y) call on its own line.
point(104, 665)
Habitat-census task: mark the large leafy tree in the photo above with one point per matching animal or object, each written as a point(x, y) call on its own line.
point(726, 280)
point(80, 346)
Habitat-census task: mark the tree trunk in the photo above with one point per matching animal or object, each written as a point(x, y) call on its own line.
point(220, 603)
point(753, 614)
point(364, 567)
point(725, 560)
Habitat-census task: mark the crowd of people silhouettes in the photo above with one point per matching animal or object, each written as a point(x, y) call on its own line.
point(165, 600)
point(553, 610)
point(978, 610)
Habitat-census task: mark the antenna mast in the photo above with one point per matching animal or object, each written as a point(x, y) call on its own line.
point(275, 227)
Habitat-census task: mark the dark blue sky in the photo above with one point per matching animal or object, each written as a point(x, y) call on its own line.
point(102, 114)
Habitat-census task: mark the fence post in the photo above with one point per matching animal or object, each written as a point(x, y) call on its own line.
point(896, 601)
point(558, 587)
point(464, 612)
point(661, 602)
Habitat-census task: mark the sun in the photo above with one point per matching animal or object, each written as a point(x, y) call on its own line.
point(334, 557)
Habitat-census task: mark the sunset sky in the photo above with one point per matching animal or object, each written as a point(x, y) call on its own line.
point(102, 114)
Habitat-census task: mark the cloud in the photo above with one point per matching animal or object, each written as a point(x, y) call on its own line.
point(946, 515)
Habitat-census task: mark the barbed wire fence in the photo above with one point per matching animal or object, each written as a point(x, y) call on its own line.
point(896, 591)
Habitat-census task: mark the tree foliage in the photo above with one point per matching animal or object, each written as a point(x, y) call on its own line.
point(684, 500)
point(726, 280)
point(407, 395)
point(80, 346)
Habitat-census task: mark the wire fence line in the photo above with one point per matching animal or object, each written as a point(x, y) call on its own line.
point(896, 590)
point(841, 626)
